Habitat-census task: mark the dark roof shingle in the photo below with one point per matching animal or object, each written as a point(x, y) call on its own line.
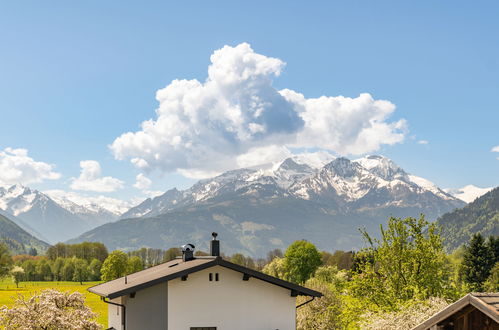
point(178, 268)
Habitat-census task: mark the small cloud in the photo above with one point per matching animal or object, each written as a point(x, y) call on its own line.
point(17, 167)
point(142, 182)
point(90, 180)
point(495, 149)
point(423, 142)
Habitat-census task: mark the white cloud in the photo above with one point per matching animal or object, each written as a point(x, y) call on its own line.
point(495, 149)
point(17, 167)
point(142, 182)
point(423, 142)
point(113, 205)
point(237, 118)
point(263, 155)
point(468, 193)
point(90, 179)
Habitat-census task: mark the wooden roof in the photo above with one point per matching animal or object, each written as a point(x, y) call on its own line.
point(487, 303)
point(178, 268)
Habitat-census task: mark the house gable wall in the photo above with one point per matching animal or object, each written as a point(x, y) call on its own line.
point(229, 303)
point(146, 310)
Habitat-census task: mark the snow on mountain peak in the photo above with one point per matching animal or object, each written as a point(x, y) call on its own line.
point(468, 193)
point(382, 167)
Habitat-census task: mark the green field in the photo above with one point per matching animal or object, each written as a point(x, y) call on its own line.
point(8, 294)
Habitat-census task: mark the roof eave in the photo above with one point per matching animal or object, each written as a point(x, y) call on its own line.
point(298, 289)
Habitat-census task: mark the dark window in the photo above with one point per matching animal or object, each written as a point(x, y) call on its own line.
point(216, 277)
point(203, 328)
point(211, 276)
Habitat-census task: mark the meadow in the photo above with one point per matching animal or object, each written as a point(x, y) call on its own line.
point(8, 294)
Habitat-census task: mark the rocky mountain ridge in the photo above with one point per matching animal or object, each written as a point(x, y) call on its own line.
point(256, 210)
point(49, 219)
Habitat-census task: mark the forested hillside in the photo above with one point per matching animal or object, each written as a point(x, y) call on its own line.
point(18, 240)
point(480, 216)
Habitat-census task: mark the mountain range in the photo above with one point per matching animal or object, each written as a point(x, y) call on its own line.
point(48, 219)
point(258, 209)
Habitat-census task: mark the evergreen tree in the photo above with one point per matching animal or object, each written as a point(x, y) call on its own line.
point(477, 263)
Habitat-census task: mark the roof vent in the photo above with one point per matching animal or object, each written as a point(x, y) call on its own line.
point(187, 252)
point(215, 245)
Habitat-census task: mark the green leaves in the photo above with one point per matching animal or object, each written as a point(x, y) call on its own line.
point(300, 261)
point(406, 262)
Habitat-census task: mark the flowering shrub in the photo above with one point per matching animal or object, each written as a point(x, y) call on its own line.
point(49, 310)
point(407, 317)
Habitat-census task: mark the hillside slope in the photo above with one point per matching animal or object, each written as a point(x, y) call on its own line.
point(480, 216)
point(18, 240)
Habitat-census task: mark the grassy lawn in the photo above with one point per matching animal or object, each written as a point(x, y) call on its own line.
point(8, 293)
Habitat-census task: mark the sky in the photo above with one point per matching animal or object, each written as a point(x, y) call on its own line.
point(126, 99)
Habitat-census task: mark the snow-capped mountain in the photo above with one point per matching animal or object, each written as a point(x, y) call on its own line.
point(469, 192)
point(49, 219)
point(372, 182)
point(258, 209)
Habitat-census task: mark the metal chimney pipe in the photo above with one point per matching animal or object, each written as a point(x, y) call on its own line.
point(215, 245)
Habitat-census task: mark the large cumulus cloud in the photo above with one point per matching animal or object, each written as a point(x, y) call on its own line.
point(237, 116)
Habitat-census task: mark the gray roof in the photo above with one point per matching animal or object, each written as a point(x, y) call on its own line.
point(487, 303)
point(178, 268)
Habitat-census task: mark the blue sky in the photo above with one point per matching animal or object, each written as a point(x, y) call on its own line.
point(76, 76)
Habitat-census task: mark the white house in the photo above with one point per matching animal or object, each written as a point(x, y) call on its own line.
point(201, 293)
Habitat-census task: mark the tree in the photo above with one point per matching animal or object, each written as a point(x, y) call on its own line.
point(50, 309)
point(171, 254)
point(492, 283)
point(134, 265)
point(114, 266)
point(478, 260)
point(341, 259)
point(68, 269)
point(33, 252)
point(275, 268)
point(17, 274)
point(5, 260)
point(276, 253)
point(323, 313)
point(300, 261)
point(43, 270)
point(29, 267)
point(57, 266)
point(94, 269)
point(406, 263)
point(81, 272)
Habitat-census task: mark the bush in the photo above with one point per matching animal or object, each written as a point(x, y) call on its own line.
point(50, 309)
